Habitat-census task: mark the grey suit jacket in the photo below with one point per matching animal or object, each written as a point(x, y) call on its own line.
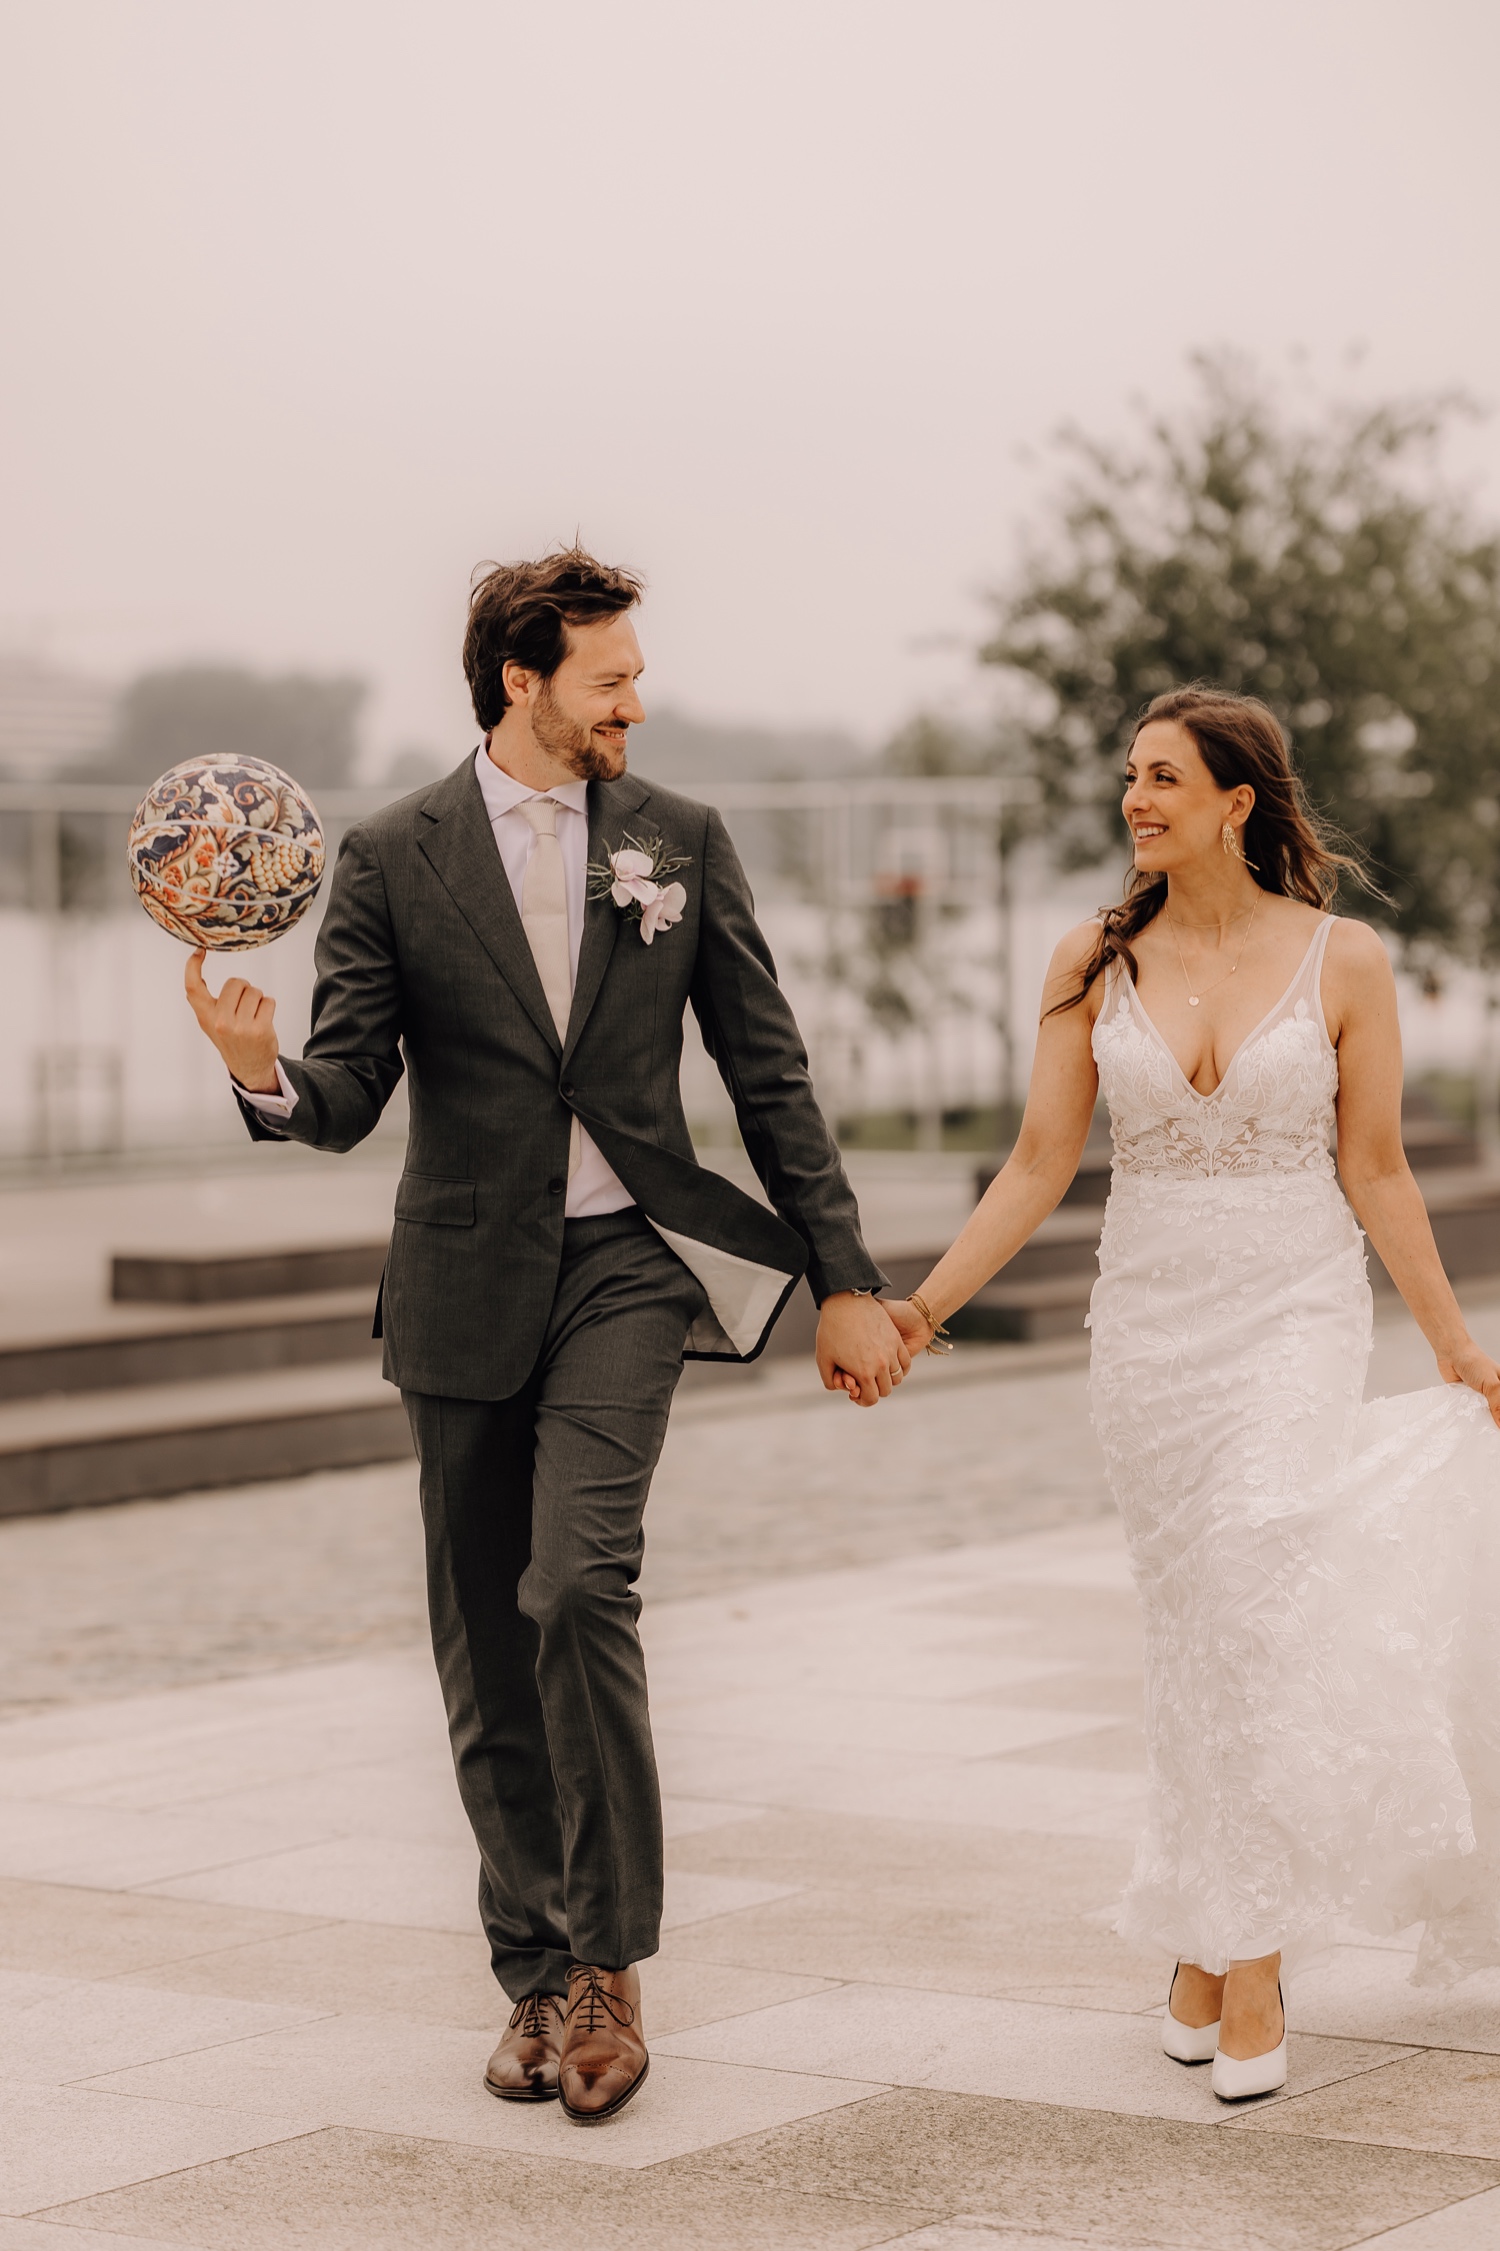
point(423, 965)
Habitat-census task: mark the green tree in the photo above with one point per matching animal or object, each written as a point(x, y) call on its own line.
point(928, 746)
point(301, 722)
point(1318, 563)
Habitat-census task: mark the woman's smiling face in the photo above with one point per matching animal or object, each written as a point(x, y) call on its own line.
point(1174, 808)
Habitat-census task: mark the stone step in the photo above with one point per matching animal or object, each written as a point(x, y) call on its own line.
point(293, 1384)
point(230, 1272)
point(1432, 1145)
point(1011, 1312)
point(136, 1345)
point(1464, 1207)
point(153, 1440)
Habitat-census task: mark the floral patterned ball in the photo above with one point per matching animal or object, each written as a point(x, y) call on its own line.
point(226, 852)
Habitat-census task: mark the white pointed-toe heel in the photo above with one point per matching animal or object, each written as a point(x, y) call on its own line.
point(1237, 2077)
point(1187, 2043)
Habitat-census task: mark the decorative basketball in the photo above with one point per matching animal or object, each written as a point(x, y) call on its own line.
point(226, 852)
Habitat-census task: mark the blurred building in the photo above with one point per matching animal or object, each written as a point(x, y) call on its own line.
point(50, 718)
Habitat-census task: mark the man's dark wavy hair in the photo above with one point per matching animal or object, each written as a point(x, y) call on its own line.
point(519, 614)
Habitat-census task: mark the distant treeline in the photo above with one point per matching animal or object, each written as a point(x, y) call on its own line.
point(309, 723)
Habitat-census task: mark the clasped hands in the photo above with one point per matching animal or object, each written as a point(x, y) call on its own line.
point(866, 1344)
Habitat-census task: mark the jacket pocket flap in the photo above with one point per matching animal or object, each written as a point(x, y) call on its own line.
point(438, 1203)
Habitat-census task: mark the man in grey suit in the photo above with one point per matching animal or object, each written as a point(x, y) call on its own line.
point(523, 939)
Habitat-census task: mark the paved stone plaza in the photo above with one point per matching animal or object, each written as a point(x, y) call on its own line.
point(896, 1676)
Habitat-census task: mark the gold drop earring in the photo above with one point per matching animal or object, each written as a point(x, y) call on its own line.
point(1231, 843)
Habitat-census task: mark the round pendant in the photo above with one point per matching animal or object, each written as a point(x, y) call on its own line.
point(1192, 1000)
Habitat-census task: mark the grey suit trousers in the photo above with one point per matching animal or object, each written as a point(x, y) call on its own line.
point(533, 1511)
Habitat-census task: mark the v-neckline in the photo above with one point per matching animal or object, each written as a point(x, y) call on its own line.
point(1253, 1033)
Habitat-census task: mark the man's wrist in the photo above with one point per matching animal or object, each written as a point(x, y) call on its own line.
point(279, 1088)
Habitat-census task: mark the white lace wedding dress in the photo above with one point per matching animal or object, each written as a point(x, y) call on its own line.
point(1320, 1578)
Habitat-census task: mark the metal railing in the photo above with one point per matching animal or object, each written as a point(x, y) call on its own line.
point(62, 844)
point(885, 898)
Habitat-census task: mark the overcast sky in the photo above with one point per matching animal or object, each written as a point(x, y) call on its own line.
point(309, 305)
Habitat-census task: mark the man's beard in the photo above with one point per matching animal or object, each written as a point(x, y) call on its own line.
point(563, 738)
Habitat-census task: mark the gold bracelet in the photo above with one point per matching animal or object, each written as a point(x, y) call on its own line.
point(940, 1342)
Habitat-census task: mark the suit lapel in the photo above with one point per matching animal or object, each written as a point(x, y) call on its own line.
point(460, 845)
point(610, 807)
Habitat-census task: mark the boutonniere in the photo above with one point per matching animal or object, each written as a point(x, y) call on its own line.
point(634, 878)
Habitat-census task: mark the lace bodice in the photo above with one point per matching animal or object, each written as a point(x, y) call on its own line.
point(1271, 1112)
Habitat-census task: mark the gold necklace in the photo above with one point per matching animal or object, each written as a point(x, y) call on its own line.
point(1194, 998)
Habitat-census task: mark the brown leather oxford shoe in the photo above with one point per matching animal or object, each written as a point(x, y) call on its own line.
point(524, 2066)
point(604, 2060)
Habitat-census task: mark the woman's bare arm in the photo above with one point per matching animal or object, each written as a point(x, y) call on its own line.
point(1360, 995)
point(1031, 1182)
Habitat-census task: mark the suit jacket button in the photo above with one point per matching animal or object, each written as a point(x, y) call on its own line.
point(556, 1187)
point(570, 1091)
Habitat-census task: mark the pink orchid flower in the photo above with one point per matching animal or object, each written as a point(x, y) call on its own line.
point(661, 912)
point(632, 873)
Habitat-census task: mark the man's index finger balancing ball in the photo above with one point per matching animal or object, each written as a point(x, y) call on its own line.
point(226, 852)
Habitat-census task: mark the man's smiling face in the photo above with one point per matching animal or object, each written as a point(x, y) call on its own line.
point(583, 714)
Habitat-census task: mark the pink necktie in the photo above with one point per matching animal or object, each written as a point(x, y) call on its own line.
point(544, 918)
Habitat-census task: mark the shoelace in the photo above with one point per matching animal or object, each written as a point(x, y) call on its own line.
point(529, 2016)
point(595, 2000)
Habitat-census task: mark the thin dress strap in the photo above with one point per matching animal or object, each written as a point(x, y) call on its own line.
point(1309, 980)
point(1116, 981)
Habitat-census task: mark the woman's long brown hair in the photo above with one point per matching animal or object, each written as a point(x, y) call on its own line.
point(1239, 739)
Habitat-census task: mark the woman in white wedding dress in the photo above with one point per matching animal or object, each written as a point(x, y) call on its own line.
point(1320, 1578)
